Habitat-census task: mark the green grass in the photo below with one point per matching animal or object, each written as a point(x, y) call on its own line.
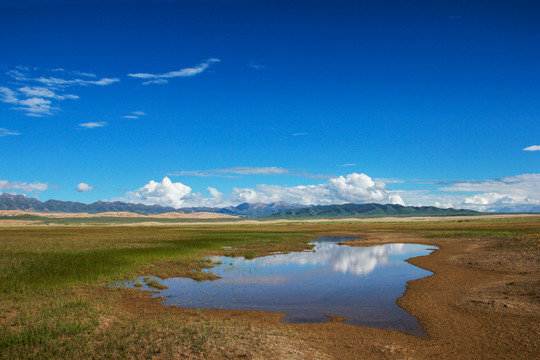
point(53, 303)
point(38, 259)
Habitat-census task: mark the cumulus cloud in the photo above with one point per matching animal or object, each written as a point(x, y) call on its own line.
point(82, 187)
point(532, 148)
point(355, 188)
point(164, 78)
point(214, 192)
point(92, 125)
point(512, 193)
point(165, 193)
point(25, 187)
point(520, 193)
point(6, 132)
point(39, 96)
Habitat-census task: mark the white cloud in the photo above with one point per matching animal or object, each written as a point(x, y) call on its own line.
point(17, 185)
point(6, 132)
point(36, 95)
point(45, 93)
point(8, 96)
point(186, 72)
point(33, 106)
point(520, 193)
point(156, 81)
point(214, 192)
point(300, 134)
point(240, 170)
point(56, 83)
point(91, 125)
point(82, 187)
point(76, 73)
point(18, 74)
point(355, 188)
point(134, 115)
point(36, 106)
point(165, 193)
point(532, 148)
point(244, 170)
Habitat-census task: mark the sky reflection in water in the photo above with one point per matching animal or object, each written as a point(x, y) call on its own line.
point(359, 283)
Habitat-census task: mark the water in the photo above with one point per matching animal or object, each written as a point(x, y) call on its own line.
point(358, 283)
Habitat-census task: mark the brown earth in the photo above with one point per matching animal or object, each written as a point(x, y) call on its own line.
point(482, 302)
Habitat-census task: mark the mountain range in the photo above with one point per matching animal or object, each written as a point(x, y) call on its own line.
point(21, 202)
point(275, 210)
point(368, 210)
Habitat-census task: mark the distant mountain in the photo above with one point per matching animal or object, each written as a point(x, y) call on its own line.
point(260, 209)
point(247, 209)
point(367, 210)
point(275, 210)
point(21, 202)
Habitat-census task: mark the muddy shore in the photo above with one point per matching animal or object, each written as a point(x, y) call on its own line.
point(482, 302)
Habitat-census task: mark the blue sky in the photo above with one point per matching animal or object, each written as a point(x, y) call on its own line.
point(413, 102)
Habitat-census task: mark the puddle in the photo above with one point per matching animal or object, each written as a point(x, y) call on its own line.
point(358, 283)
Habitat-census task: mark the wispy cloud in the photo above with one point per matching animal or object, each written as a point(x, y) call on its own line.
point(257, 66)
point(390, 180)
point(244, 170)
point(6, 132)
point(17, 185)
point(532, 148)
point(38, 95)
point(348, 164)
point(43, 92)
point(234, 172)
point(134, 115)
point(57, 83)
point(75, 73)
point(300, 134)
point(200, 173)
point(240, 170)
point(164, 78)
point(92, 125)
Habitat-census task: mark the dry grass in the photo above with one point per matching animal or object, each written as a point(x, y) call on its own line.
point(53, 303)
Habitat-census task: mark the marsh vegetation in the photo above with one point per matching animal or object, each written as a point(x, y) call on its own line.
point(54, 302)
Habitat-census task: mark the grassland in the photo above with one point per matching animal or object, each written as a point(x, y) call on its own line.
point(55, 303)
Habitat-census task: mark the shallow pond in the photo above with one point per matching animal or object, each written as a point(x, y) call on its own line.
point(358, 283)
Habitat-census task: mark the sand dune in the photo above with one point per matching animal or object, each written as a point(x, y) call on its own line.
point(122, 214)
